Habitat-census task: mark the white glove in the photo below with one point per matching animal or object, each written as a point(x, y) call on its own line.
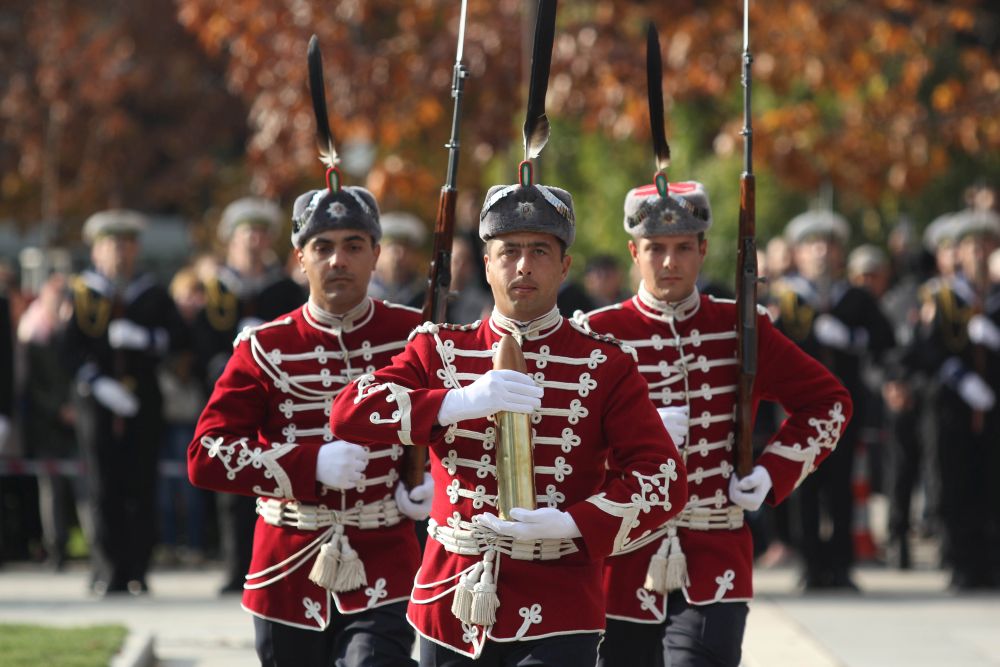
point(127, 335)
point(340, 464)
point(113, 395)
point(749, 492)
point(417, 503)
point(543, 523)
point(675, 419)
point(976, 393)
point(983, 331)
point(832, 332)
point(4, 430)
point(489, 394)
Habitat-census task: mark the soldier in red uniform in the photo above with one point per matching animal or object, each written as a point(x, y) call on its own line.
point(335, 550)
point(496, 592)
point(683, 588)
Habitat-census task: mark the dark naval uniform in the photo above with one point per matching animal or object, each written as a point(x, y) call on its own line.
point(121, 452)
point(798, 304)
point(600, 454)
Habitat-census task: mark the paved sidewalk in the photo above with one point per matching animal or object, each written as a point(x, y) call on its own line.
point(901, 619)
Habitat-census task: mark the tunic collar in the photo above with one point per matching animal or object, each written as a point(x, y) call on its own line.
point(667, 312)
point(353, 319)
point(540, 327)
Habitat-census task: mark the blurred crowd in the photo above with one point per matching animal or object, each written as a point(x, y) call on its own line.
point(912, 328)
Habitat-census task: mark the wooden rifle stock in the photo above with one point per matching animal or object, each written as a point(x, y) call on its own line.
point(435, 305)
point(746, 325)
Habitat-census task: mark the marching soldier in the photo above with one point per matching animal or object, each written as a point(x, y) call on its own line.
point(123, 325)
point(837, 324)
point(683, 589)
point(335, 549)
point(492, 590)
point(250, 288)
point(957, 346)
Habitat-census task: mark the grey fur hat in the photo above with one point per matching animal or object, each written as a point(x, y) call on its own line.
point(113, 222)
point(254, 210)
point(822, 223)
point(685, 210)
point(528, 208)
point(940, 231)
point(350, 207)
point(976, 222)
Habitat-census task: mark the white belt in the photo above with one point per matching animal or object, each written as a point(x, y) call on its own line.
point(470, 539)
point(291, 513)
point(710, 518)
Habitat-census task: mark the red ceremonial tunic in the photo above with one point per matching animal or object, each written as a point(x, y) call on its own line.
point(260, 434)
point(594, 415)
point(688, 357)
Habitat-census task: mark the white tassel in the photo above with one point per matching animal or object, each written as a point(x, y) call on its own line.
point(324, 569)
point(461, 603)
point(351, 572)
point(677, 569)
point(656, 575)
point(484, 596)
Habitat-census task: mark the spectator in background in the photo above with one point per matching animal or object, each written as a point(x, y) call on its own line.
point(401, 270)
point(182, 506)
point(868, 268)
point(48, 417)
point(123, 325)
point(468, 300)
point(251, 287)
point(839, 325)
point(604, 280)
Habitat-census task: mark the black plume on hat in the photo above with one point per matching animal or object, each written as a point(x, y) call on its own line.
point(336, 207)
point(527, 206)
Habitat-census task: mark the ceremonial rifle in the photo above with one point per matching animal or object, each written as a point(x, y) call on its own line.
point(746, 276)
point(439, 273)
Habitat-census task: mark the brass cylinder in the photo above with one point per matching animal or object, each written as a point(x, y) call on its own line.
point(515, 450)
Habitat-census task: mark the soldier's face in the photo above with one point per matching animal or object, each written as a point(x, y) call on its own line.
point(338, 265)
point(114, 255)
point(669, 264)
point(818, 257)
point(973, 252)
point(525, 270)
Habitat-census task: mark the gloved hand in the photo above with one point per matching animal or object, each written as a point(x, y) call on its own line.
point(4, 430)
point(340, 464)
point(417, 503)
point(542, 523)
point(113, 395)
point(675, 419)
point(983, 331)
point(832, 332)
point(749, 492)
point(976, 393)
point(127, 335)
point(490, 393)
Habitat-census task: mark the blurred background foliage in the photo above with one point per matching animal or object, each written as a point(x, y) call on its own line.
point(880, 108)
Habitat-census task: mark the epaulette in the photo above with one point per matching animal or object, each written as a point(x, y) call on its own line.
point(390, 304)
point(761, 308)
point(605, 338)
point(249, 332)
point(433, 328)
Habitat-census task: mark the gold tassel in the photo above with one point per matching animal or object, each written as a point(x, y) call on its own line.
point(461, 603)
point(324, 569)
point(351, 572)
point(656, 575)
point(677, 572)
point(484, 596)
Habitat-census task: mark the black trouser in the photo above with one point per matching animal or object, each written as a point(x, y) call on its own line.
point(379, 637)
point(904, 455)
point(121, 457)
point(708, 635)
point(578, 650)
